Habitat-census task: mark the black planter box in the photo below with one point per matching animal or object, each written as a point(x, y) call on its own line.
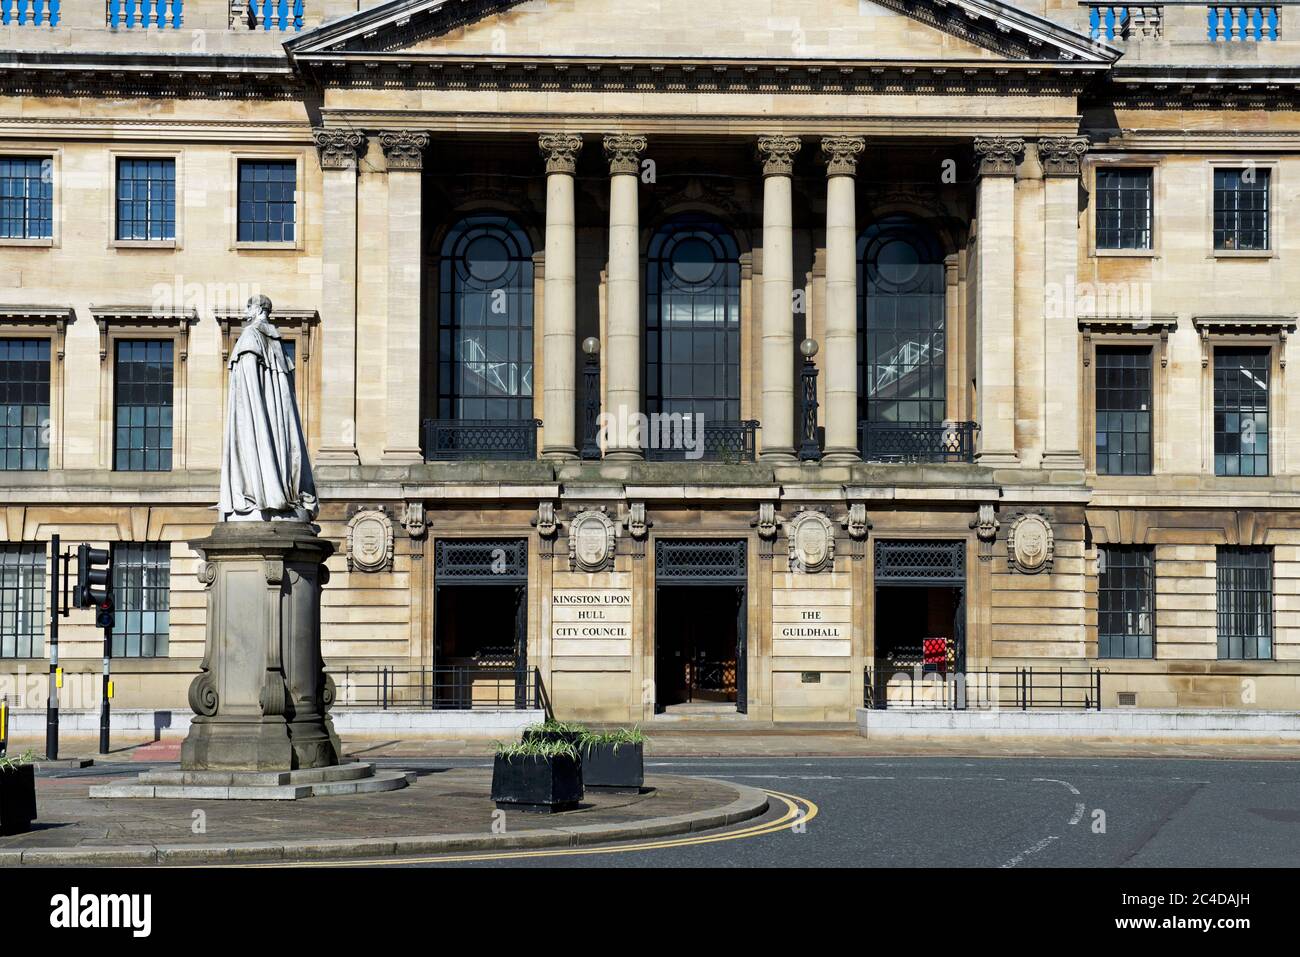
point(613, 767)
point(17, 799)
point(568, 737)
point(537, 784)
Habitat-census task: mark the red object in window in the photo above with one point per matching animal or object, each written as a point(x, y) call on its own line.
point(935, 651)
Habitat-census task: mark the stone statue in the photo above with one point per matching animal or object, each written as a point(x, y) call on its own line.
point(265, 472)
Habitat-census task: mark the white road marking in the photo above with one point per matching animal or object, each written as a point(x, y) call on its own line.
point(1041, 845)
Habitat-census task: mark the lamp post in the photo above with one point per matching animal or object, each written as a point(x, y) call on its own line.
point(809, 448)
point(591, 398)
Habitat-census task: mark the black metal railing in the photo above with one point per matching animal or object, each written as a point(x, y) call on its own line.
point(1021, 689)
point(720, 442)
point(437, 689)
point(458, 439)
point(917, 441)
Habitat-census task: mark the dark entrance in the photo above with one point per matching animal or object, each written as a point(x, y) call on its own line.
point(700, 623)
point(920, 624)
point(480, 637)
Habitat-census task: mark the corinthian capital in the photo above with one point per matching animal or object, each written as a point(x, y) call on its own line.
point(338, 148)
point(623, 150)
point(998, 155)
point(840, 153)
point(1060, 155)
point(561, 151)
point(777, 154)
point(404, 149)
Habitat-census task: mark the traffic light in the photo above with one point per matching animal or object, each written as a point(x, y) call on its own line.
point(94, 579)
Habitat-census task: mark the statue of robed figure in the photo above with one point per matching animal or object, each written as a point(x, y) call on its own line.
point(265, 472)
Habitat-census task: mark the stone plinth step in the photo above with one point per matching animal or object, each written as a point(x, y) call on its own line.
point(354, 778)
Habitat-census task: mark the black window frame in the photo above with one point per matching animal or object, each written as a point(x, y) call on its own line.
point(1238, 423)
point(1112, 380)
point(141, 587)
point(1244, 600)
point(137, 389)
point(27, 201)
point(258, 198)
point(25, 396)
point(1125, 209)
point(157, 206)
point(1242, 211)
point(22, 600)
point(1126, 594)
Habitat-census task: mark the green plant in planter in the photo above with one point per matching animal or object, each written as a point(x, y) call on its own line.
point(551, 730)
point(537, 774)
point(17, 793)
point(614, 760)
point(536, 748)
point(612, 739)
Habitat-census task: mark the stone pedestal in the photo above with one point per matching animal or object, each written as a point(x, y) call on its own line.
point(262, 694)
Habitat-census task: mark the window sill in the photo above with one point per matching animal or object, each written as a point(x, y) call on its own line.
point(1243, 254)
point(167, 244)
point(1126, 253)
point(279, 247)
point(39, 243)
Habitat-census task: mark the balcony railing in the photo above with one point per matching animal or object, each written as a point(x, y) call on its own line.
point(1021, 689)
point(282, 15)
point(917, 441)
point(1108, 21)
point(145, 14)
point(721, 442)
point(460, 439)
point(29, 13)
point(1250, 24)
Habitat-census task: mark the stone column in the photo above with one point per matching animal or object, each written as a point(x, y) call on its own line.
point(1060, 157)
point(623, 297)
point(404, 151)
point(777, 154)
point(840, 330)
point(995, 275)
point(338, 150)
point(559, 310)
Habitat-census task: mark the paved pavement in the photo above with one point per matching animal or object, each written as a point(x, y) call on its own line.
point(982, 812)
point(443, 802)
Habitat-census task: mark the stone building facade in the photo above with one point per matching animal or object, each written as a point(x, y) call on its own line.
point(1045, 253)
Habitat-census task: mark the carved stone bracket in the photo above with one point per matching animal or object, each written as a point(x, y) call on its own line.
point(858, 525)
point(777, 154)
point(767, 524)
point(404, 149)
point(547, 526)
point(810, 541)
point(561, 151)
point(1031, 544)
point(998, 155)
point(337, 148)
point(623, 150)
point(414, 520)
point(638, 527)
point(1062, 155)
point(840, 153)
point(986, 526)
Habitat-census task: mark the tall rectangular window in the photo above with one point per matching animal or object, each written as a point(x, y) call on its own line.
point(1241, 208)
point(142, 594)
point(1245, 602)
point(1241, 411)
point(26, 197)
point(1123, 411)
point(146, 199)
point(24, 404)
point(1126, 603)
point(1124, 201)
point(143, 406)
point(22, 601)
point(266, 200)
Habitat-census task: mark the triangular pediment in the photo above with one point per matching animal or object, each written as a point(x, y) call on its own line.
point(793, 31)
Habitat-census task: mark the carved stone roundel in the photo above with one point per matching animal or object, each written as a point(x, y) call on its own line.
point(591, 541)
point(1031, 543)
point(811, 540)
point(370, 541)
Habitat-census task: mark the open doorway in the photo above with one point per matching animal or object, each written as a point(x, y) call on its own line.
point(696, 653)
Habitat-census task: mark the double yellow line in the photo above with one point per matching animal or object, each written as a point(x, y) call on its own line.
point(798, 811)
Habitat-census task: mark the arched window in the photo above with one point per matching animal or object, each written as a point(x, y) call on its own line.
point(900, 325)
point(485, 322)
point(692, 343)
